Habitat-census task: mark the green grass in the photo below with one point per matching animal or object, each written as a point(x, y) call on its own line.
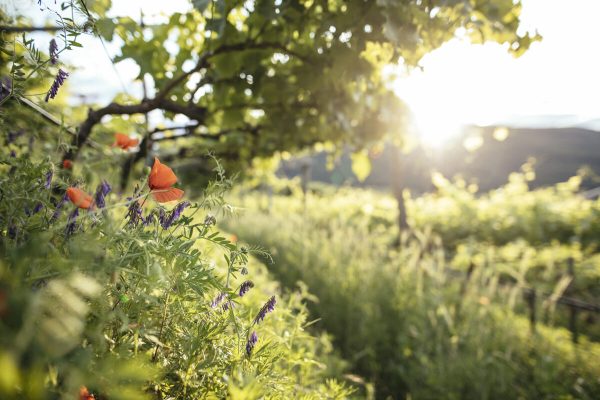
point(402, 321)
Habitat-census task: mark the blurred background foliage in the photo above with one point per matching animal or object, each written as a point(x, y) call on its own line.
point(409, 316)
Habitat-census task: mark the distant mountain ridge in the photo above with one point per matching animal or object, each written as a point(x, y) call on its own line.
point(559, 154)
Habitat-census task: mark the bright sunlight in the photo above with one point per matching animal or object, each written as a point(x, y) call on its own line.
point(553, 84)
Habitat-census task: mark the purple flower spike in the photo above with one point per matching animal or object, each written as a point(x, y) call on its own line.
point(227, 305)
point(217, 300)
point(53, 50)
point(267, 308)
point(148, 220)
point(49, 176)
point(134, 210)
point(58, 208)
point(58, 82)
point(166, 220)
point(12, 231)
point(72, 222)
point(101, 192)
point(251, 343)
point(245, 287)
point(12, 136)
point(38, 207)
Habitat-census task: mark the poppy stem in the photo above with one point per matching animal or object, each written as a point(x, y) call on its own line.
point(162, 325)
point(145, 198)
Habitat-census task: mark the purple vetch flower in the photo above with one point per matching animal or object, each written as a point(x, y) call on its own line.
point(267, 308)
point(252, 340)
point(176, 213)
point(58, 208)
point(245, 287)
point(53, 50)
point(148, 220)
point(217, 300)
point(58, 82)
point(162, 217)
point(72, 222)
point(103, 189)
point(134, 210)
point(49, 176)
point(38, 207)
point(227, 305)
point(166, 220)
point(13, 154)
point(12, 136)
point(12, 231)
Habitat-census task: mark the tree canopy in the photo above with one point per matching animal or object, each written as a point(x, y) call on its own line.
point(255, 77)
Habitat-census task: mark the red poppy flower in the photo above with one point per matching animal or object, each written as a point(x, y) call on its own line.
point(125, 142)
point(84, 394)
point(80, 198)
point(160, 181)
point(67, 164)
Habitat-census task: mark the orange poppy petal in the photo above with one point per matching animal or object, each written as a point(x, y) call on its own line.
point(84, 394)
point(133, 143)
point(80, 198)
point(121, 140)
point(164, 196)
point(67, 164)
point(161, 176)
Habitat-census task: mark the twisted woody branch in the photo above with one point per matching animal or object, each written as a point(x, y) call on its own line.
point(160, 101)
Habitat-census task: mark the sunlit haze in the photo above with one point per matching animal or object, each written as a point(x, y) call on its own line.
point(555, 83)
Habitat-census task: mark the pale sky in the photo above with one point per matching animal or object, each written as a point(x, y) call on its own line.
point(556, 83)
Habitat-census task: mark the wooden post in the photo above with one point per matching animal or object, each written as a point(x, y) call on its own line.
point(465, 282)
point(530, 298)
point(573, 312)
point(398, 183)
point(305, 168)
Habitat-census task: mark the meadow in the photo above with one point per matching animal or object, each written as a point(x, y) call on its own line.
point(440, 312)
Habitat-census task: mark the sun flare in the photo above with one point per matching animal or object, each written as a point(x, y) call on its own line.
point(460, 84)
point(464, 84)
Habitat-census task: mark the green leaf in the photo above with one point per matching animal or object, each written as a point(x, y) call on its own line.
point(106, 28)
point(200, 5)
point(361, 165)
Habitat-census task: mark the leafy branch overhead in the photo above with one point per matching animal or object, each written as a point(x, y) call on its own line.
point(299, 72)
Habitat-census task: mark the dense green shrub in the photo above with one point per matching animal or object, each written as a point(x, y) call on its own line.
point(126, 306)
